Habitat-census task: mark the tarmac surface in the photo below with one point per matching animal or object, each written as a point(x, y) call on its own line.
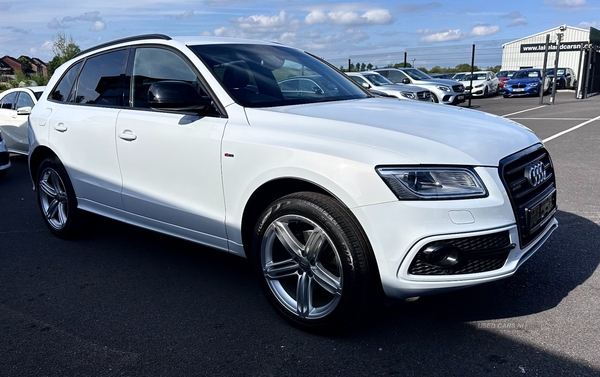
point(128, 302)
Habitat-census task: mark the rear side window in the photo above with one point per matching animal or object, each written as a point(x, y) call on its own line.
point(101, 79)
point(63, 89)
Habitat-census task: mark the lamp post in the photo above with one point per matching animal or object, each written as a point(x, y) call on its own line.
point(558, 40)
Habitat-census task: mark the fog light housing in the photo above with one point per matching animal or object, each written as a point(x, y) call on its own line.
point(442, 255)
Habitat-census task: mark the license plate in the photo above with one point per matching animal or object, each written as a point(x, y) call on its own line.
point(519, 90)
point(537, 214)
point(460, 98)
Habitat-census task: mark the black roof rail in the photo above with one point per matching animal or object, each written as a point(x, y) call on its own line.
point(123, 40)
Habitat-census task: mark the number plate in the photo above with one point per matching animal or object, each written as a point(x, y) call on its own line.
point(460, 98)
point(519, 90)
point(538, 213)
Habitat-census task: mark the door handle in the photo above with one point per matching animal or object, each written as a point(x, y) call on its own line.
point(60, 127)
point(127, 135)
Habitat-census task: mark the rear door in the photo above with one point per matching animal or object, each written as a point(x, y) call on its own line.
point(82, 129)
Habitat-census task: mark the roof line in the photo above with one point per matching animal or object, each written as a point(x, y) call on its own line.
point(123, 40)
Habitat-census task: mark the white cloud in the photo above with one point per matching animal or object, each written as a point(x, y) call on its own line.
point(262, 23)
point(518, 22)
point(565, 4)
point(587, 25)
point(484, 30)
point(350, 17)
point(443, 36)
point(98, 26)
point(456, 34)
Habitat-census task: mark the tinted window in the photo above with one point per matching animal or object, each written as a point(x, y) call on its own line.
point(156, 64)
point(63, 89)
point(100, 81)
point(8, 101)
point(24, 100)
point(264, 75)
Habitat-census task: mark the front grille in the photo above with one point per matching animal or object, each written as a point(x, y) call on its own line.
point(477, 254)
point(533, 200)
point(458, 88)
point(516, 86)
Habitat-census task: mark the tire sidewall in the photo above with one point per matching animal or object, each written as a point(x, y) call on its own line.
point(71, 226)
point(354, 282)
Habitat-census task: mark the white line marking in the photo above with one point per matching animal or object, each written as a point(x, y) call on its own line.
point(571, 129)
point(523, 111)
point(549, 118)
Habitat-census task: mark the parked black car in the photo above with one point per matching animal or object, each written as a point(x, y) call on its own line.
point(565, 79)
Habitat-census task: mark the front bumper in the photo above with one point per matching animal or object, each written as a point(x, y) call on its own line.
point(398, 231)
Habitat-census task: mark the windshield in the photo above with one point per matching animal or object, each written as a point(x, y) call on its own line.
point(416, 74)
point(266, 76)
point(476, 76)
point(526, 75)
point(377, 79)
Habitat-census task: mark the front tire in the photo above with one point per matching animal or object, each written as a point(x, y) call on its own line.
point(313, 262)
point(57, 201)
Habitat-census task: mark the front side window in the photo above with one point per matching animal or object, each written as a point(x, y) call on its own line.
point(100, 81)
point(266, 76)
point(24, 100)
point(153, 65)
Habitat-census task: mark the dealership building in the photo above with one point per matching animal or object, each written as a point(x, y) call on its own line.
point(579, 50)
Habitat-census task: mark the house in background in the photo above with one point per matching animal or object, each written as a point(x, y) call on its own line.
point(10, 65)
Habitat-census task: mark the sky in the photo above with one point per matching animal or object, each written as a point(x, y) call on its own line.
point(334, 30)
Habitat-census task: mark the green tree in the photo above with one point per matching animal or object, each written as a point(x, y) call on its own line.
point(25, 63)
point(64, 49)
point(464, 67)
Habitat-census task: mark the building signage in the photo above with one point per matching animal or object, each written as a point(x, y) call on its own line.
point(541, 47)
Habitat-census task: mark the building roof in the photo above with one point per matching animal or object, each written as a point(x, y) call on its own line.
point(553, 30)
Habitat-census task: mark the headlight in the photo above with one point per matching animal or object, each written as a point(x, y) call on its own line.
point(479, 86)
point(408, 95)
point(417, 183)
point(534, 84)
point(443, 87)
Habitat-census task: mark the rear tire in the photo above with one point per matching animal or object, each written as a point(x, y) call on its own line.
point(57, 201)
point(313, 262)
point(434, 98)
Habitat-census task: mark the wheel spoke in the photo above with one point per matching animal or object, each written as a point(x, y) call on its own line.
point(314, 244)
point(327, 280)
point(304, 296)
point(287, 239)
point(62, 213)
point(52, 209)
point(278, 270)
point(47, 188)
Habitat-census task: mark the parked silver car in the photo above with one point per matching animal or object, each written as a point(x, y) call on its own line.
point(373, 80)
point(15, 107)
point(448, 92)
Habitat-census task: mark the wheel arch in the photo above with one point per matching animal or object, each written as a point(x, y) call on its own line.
point(35, 159)
point(275, 189)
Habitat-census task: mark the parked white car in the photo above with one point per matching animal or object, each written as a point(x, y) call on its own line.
point(481, 83)
point(373, 80)
point(448, 92)
point(15, 107)
point(4, 157)
point(337, 197)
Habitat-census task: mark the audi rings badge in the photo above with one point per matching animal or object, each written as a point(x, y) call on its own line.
point(535, 173)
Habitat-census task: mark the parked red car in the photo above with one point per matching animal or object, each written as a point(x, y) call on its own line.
point(504, 76)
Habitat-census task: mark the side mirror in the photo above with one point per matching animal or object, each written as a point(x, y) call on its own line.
point(24, 110)
point(366, 86)
point(405, 81)
point(177, 96)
